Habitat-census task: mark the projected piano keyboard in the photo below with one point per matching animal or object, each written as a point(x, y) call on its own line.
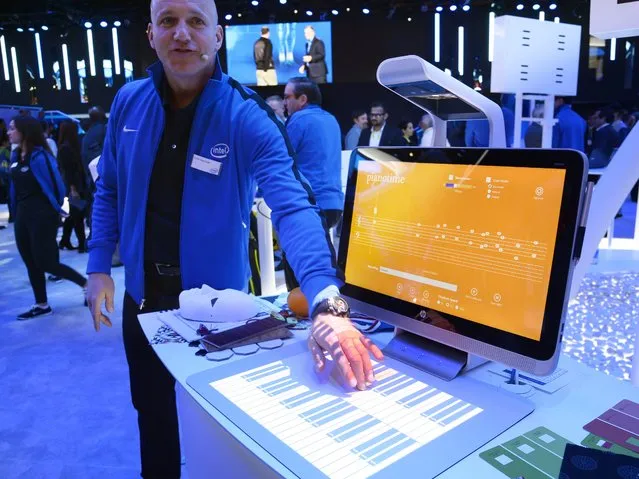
point(347, 436)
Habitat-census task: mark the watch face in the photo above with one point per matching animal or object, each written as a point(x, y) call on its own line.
point(341, 306)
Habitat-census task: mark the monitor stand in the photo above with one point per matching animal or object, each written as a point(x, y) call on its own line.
point(430, 356)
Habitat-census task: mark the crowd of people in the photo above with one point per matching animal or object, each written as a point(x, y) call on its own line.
point(45, 182)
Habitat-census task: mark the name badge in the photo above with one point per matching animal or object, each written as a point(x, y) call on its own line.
point(206, 165)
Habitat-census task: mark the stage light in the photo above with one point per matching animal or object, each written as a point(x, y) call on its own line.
point(65, 61)
point(334, 12)
point(453, 7)
point(348, 9)
point(365, 11)
point(437, 49)
point(557, 20)
point(117, 23)
point(491, 36)
point(228, 16)
point(31, 29)
point(552, 6)
point(613, 49)
point(439, 8)
point(116, 50)
point(20, 29)
point(309, 13)
point(91, 52)
point(45, 28)
point(88, 24)
point(410, 19)
point(542, 16)
point(239, 15)
point(16, 73)
point(5, 63)
point(104, 24)
point(39, 53)
point(460, 51)
point(295, 12)
point(255, 3)
point(536, 7)
point(283, 2)
point(466, 8)
point(520, 6)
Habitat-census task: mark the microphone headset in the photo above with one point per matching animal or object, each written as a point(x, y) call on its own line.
point(204, 57)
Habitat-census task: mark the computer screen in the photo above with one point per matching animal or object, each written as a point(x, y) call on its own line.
point(472, 236)
point(289, 48)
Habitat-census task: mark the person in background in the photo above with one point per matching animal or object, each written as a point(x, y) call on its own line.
point(263, 56)
point(408, 133)
point(570, 129)
point(534, 133)
point(316, 138)
point(314, 61)
point(69, 159)
point(47, 129)
point(605, 139)
point(360, 121)
point(5, 161)
point(38, 193)
point(181, 216)
point(93, 140)
point(277, 105)
point(428, 132)
point(618, 122)
point(379, 132)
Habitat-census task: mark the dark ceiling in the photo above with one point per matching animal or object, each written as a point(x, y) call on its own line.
point(66, 13)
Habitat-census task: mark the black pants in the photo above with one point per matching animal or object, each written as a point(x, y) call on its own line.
point(75, 222)
point(36, 233)
point(152, 387)
point(332, 217)
point(319, 80)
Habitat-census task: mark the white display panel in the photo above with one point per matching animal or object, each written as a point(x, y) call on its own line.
point(408, 421)
point(614, 18)
point(532, 56)
point(347, 437)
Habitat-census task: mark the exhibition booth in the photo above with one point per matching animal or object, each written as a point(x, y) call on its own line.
point(464, 262)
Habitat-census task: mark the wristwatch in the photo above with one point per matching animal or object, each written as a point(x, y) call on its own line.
point(335, 305)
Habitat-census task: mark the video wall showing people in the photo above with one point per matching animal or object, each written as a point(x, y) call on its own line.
point(271, 54)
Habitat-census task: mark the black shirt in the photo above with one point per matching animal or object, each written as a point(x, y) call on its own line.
point(28, 191)
point(163, 211)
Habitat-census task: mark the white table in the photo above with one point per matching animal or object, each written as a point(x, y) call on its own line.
point(215, 447)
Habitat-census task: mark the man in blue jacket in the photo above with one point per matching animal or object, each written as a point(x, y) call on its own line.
point(182, 156)
point(316, 138)
point(570, 129)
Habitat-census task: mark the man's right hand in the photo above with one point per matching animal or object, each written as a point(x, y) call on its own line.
point(100, 289)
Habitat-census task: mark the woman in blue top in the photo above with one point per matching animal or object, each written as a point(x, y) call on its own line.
point(37, 191)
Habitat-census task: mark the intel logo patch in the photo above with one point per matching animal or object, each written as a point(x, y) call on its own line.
point(221, 150)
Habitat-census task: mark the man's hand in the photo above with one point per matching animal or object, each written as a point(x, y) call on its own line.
point(348, 347)
point(302, 69)
point(307, 58)
point(100, 289)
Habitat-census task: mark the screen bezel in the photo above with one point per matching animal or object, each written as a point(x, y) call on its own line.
point(571, 162)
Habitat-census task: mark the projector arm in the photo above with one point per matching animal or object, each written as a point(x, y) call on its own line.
point(441, 95)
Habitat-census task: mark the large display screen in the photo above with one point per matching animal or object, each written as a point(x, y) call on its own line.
point(473, 241)
point(289, 48)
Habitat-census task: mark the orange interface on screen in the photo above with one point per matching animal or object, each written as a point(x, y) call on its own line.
point(473, 241)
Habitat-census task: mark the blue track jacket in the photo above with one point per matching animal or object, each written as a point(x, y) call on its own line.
point(234, 127)
point(570, 129)
point(317, 140)
point(45, 175)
